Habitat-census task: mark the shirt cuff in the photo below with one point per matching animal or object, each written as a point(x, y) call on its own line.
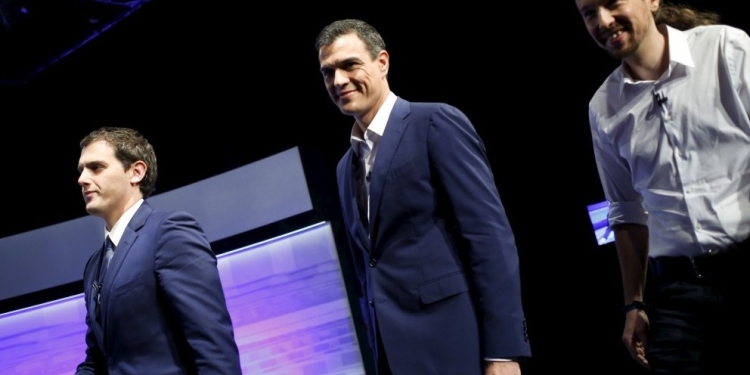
point(630, 212)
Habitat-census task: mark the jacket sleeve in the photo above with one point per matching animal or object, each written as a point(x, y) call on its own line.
point(187, 273)
point(458, 157)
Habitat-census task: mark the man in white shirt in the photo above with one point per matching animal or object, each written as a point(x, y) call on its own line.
point(671, 137)
point(432, 247)
point(154, 301)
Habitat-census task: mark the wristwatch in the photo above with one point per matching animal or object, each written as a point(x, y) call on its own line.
point(635, 305)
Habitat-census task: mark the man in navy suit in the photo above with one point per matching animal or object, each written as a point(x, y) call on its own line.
point(157, 305)
point(432, 247)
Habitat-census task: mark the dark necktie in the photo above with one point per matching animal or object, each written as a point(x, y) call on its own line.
point(109, 251)
point(363, 188)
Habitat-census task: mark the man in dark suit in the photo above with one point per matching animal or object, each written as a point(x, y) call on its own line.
point(432, 247)
point(155, 305)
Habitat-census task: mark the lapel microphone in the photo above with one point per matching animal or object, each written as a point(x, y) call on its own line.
point(660, 98)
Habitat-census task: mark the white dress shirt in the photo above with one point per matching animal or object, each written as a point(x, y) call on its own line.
point(674, 154)
point(119, 228)
point(365, 146)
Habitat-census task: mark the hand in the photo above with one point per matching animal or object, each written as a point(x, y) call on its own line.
point(502, 368)
point(634, 335)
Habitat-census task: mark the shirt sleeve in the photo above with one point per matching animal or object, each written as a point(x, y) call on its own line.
point(736, 48)
point(625, 203)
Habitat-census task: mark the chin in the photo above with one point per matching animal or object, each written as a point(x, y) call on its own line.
point(92, 209)
point(621, 53)
point(347, 109)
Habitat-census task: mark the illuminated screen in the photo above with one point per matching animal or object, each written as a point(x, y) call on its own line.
point(286, 297)
point(598, 214)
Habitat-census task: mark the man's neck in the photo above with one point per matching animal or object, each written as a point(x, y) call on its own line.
point(651, 59)
point(110, 222)
point(364, 121)
point(362, 125)
point(112, 219)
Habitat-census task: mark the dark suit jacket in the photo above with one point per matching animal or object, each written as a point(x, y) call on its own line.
point(162, 304)
point(439, 271)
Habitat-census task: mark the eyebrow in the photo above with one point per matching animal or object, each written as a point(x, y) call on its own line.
point(587, 6)
point(81, 166)
point(339, 62)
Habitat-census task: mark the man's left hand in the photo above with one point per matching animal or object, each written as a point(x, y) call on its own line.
point(502, 368)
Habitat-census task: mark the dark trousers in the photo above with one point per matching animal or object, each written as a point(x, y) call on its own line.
point(698, 321)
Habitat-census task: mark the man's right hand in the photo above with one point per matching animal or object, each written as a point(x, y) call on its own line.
point(634, 335)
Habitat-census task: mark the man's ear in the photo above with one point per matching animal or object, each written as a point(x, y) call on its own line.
point(384, 62)
point(137, 172)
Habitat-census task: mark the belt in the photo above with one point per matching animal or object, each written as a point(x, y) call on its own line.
point(712, 263)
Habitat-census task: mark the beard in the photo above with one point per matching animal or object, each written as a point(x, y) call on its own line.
point(626, 47)
point(622, 53)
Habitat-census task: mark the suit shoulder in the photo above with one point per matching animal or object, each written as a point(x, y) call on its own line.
point(432, 106)
point(162, 216)
point(432, 110)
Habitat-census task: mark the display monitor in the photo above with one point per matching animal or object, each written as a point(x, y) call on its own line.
point(598, 215)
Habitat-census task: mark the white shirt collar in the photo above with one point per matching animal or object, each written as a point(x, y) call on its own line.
point(119, 228)
point(679, 50)
point(377, 126)
point(679, 53)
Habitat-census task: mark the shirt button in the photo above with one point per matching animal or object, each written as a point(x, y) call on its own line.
point(688, 190)
point(698, 226)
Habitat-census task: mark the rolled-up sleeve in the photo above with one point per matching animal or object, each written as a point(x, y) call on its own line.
point(614, 172)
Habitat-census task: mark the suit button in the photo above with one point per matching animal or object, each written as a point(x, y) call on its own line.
point(110, 360)
point(371, 302)
point(373, 262)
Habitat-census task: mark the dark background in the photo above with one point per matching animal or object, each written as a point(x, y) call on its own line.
point(215, 85)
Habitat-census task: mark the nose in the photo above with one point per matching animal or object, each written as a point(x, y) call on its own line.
point(340, 78)
point(604, 18)
point(83, 179)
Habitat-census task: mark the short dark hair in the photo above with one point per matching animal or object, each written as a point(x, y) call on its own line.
point(129, 147)
point(683, 17)
point(372, 39)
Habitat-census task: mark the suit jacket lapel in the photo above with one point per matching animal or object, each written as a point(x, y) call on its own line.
point(92, 275)
point(121, 253)
point(387, 147)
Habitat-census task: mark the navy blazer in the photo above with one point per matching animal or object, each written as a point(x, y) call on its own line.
point(439, 269)
point(163, 309)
